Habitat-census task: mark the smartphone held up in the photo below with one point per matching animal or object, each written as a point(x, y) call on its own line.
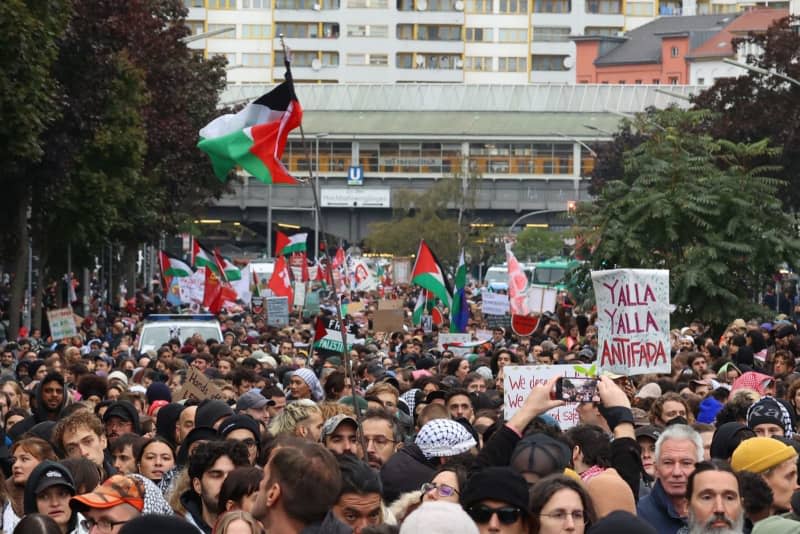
point(576, 389)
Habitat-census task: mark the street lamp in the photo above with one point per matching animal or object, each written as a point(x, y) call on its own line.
point(673, 94)
point(531, 214)
point(596, 129)
point(631, 116)
point(759, 70)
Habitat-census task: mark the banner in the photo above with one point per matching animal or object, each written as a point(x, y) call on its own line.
point(199, 386)
point(331, 339)
point(192, 287)
point(62, 323)
point(387, 320)
point(633, 320)
point(518, 380)
point(446, 338)
point(278, 311)
point(494, 303)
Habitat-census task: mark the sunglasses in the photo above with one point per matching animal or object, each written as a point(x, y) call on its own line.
point(443, 490)
point(507, 515)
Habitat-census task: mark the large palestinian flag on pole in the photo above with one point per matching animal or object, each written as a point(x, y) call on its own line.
point(254, 138)
point(428, 273)
point(173, 267)
point(202, 258)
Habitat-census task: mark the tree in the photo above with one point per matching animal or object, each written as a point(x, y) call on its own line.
point(704, 208)
point(759, 106)
point(539, 243)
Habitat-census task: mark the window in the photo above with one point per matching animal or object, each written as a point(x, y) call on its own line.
point(405, 60)
point(256, 4)
point(195, 27)
point(306, 58)
point(405, 5)
point(674, 51)
point(701, 81)
point(330, 59)
point(673, 80)
point(637, 82)
point(552, 6)
point(639, 9)
point(478, 35)
point(478, 63)
point(512, 64)
point(440, 5)
point(607, 31)
point(368, 4)
point(330, 30)
point(548, 62)
point(436, 61)
point(256, 31)
point(372, 30)
point(255, 60)
point(297, 30)
point(479, 6)
point(513, 6)
point(550, 34)
point(405, 31)
point(221, 4)
point(656, 81)
point(307, 4)
point(230, 34)
point(430, 32)
point(605, 7)
point(193, 3)
point(621, 82)
point(375, 60)
point(513, 35)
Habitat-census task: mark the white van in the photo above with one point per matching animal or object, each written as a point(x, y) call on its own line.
point(158, 329)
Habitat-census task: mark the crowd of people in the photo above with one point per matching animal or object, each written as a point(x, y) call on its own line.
point(99, 438)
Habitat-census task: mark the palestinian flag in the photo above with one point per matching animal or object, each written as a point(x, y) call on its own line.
point(232, 272)
point(296, 243)
point(254, 138)
point(459, 312)
point(428, 273)
point(173, 267)
point(202, 258)
point(419, 309)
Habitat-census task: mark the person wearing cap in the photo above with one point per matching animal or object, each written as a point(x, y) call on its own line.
point(340, 435)
point(646, 437)
point(120, 418)
point(244, 429)
point(48, 492)
point(769, 417)
point(678, 449)
point(359, 503)
point(111, 505)
point(496, 498)
point(776, 462)
point(211, 412)
point(255, 405)
point(715, 499)
point(208, 467)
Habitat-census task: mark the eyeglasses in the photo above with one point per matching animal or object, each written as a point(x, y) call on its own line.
point(443, 490)
point(483, 514)
point(103, 525)
point(379, 441)
point(561, 515)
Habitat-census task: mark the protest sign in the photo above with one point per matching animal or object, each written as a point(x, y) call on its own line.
point(494, 303)
point(446, 338)
point(192, 287)
point(328, 336)
point(481, 334)
point(312, 304)
point(257, 305)
point(390, 304)
point(355, 307)
point(62, 323)
point(497, 321)
point(299, 294)
point(541, 299)
point(278, 311)
point(633, 320)
point(401, 269)
point(387, 320)
point(198, 386)
point(519, 380)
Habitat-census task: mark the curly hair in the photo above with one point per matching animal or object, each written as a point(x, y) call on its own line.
point(657, 409)
point(81, 418)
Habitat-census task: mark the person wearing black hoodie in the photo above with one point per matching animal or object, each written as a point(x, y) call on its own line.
point(48, 491)
point(208, 468)
point(50, 397)
point(120, 418)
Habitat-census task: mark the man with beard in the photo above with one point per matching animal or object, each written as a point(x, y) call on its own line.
point(715, 500)
point(209, 466)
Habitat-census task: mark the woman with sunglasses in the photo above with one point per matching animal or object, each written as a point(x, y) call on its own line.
point(560, 504)
point(496, 498)
point(446, 484)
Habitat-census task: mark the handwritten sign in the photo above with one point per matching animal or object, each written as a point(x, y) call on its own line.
point(278, 311)
point(518, 380)
point(387, 320)
point(541, 299)
point(198, 386)
point(633, 320)
point(494, 303)
point(62, 323)
point(446, 338)
point(390, 304)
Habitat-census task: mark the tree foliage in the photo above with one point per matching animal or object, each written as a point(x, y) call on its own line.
point(539, 243)
point(756, 106)
point(704, 208)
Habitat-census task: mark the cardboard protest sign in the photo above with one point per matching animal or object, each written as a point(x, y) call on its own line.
point(494, 303)
point(278, 311)
point(62, 323)
point(198, 386)
point(519, 380)
point(633, 320)
point(355, 307)
point(390, 304)
point(387, 320)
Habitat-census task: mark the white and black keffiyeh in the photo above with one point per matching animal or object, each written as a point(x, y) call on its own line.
point(769, 410)
point(444, 437)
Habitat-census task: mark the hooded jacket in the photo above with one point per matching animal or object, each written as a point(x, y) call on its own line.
point(406, 470)
point(127, 408)
point(40, 413)
point(36, 476)
point(194, 511)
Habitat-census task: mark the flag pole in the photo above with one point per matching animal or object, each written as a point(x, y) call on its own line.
point(323, 240)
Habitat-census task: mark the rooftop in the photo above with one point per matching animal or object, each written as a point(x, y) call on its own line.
point(755, 20)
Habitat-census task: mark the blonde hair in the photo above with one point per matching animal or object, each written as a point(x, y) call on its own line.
point(227, 518)
point(292, 415)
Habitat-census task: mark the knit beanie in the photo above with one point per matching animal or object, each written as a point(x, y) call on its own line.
point(776, 525)
point(501, 484)
point(759, 454)
point(439, 517)
point(621, 521)
point(158, 391)
point(211, 411)
point(769, 410)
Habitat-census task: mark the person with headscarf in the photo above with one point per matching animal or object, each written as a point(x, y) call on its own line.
point(304, 384)
point(768, 417)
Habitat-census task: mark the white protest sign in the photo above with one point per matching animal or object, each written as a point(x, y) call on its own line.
point(483, 334)
point(518, 380)
point(446, 338)
point(541, 299)
point(278, 311)
point(299, 294)
point(494, 304)
point(633, 320)
point(192, 287)
point(62, 323)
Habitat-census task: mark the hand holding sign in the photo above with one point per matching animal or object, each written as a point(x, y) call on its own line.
point(537, 403)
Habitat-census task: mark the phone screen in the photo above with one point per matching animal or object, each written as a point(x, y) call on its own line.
point(576, 389)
